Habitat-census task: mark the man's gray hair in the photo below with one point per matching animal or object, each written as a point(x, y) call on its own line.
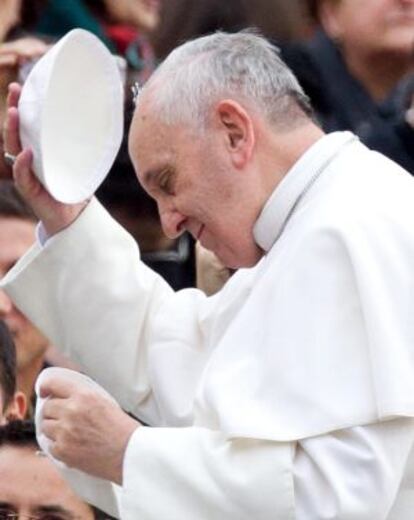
point(242, 66)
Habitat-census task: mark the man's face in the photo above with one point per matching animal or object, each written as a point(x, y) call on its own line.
point(376, 26)
point(16, 236)
point(30, 485)
point(196, 187)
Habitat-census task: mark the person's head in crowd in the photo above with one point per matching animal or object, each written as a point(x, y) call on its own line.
point(12, 402)
point(30, 484)
point(244, 122)
point(376, 38)
point(183, 20)
point(17, 234)
point(141, 14)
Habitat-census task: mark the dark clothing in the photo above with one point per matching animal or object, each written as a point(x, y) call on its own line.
point(177, 265)
point(342, 103)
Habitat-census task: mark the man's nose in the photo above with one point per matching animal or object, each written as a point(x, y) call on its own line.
point(172, 222)
point(6, 305)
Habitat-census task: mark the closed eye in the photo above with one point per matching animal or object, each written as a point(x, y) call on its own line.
point(165, 182)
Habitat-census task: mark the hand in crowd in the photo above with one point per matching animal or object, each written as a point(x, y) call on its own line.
point(54, 215)
point(17, 52)
point(87, 430)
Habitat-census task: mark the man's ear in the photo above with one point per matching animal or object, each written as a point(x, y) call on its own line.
point(17, 408)
point(238, 131)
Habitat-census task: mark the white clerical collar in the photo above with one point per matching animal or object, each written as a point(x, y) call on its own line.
point(281, 203)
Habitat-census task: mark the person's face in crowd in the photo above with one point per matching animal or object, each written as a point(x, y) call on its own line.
point(30, 486)
point(143, 14)
point(202, 183)
point(371, 26)
point(16, 236)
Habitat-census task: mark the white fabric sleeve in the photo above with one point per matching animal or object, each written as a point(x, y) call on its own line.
point(120, 325)
point(90, 294)
point(352, 474)
point(196, 473)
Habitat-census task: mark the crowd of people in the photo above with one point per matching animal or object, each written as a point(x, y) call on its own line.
point(252, 318)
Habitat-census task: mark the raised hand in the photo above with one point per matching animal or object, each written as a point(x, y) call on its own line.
point(55, 215)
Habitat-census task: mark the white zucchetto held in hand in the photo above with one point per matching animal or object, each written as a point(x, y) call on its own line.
point(81, 482)
point(70, 375)
point(71, 116)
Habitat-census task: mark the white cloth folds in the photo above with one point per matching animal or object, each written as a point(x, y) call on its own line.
point(317, 338)
point(256, 359)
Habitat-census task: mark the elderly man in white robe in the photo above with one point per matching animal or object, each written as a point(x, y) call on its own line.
point(287, 395)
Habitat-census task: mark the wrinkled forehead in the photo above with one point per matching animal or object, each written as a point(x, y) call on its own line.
point(144, 135)
point(144, 127)
point(141, 123)
point(152, 143)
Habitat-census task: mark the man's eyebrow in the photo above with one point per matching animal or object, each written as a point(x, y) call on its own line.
point(54, 509)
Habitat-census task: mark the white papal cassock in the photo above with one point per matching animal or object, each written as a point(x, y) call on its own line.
point(287, 395)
